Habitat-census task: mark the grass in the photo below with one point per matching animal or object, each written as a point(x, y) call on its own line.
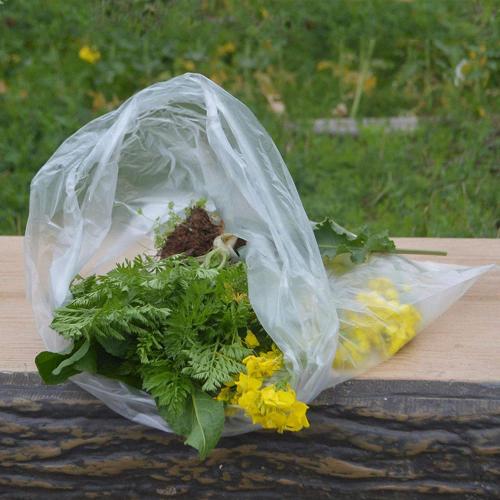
point(290, 62)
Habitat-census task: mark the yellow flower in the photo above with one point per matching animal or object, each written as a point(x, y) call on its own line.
point(247, 383)
point(297, 419)
point(383, 330)
point(268, 406)
point(227, 48)
point(322, 65)
point(239, 297)
point(89, 54)
point(251, 340)
point(224, 394)
point(275, 409)
point(278, 399)
point(273, 420)
point(249, 401)
point(380, 283)
point(264, 365)
point(188, 65)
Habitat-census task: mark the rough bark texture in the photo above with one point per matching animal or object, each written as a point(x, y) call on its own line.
point(368, 439)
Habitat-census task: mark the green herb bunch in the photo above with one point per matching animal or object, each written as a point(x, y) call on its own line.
point(172, 327)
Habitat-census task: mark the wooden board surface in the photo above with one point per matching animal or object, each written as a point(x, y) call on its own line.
point(463, 345)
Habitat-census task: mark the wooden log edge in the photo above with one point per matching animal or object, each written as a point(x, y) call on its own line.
point(29, 385)
point(368, 438)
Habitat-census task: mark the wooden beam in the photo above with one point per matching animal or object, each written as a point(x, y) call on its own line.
point(368, 439)
point(461, 345)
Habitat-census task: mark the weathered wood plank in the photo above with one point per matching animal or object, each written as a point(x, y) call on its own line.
point(374, 439)
point(461, 345)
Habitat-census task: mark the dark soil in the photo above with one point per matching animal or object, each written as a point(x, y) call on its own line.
point(194, 237)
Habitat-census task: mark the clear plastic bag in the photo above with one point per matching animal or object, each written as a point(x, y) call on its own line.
point(383, 303)
point(97, 198)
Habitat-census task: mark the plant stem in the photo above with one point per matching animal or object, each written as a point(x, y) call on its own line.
point(414, 251)
point(365, 56)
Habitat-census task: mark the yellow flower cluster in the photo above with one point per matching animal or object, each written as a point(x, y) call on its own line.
point(89, 54)
point(251, 340)
point(380, 332)
point(269, 406)
point(227, 48)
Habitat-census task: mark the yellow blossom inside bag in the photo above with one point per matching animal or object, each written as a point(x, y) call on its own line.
point(380, 331)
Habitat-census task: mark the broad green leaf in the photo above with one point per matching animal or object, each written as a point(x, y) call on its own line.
point(77, 355)
point(201, 422)
point(334, 240)
point(207, 423)
point(88, 362)
point(47, 361)
point(181, 423)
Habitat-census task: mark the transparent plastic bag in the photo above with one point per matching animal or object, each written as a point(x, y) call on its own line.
point(383, 303)
point(97, 198)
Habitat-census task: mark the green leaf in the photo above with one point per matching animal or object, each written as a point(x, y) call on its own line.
point(88, 362)
point(55, 368)
point(118, 369)
point(214, 365)
point(47, 361)
point(165, 326)
point(77, 355)
point(201, 422)
point(169, 387)
point(334, 240)
point(114, 346)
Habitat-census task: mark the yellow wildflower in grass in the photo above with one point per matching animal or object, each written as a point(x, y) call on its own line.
point(380, 332)
point(188, 65)
point(89, 54)
point(251, 340)
point(324, 65)
point(226, 48)
point(239, 297)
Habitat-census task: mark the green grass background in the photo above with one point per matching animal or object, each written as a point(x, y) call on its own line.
point(308, 58)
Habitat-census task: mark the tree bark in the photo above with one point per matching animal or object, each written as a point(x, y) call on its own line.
point(368, 439)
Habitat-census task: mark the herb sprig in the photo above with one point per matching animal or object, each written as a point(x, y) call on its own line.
point(181, 354)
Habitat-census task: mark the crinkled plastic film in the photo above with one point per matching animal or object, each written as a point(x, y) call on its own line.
point(384, 303)
point(98, 197)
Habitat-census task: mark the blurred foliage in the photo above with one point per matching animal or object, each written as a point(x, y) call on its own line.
point(65, 62)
